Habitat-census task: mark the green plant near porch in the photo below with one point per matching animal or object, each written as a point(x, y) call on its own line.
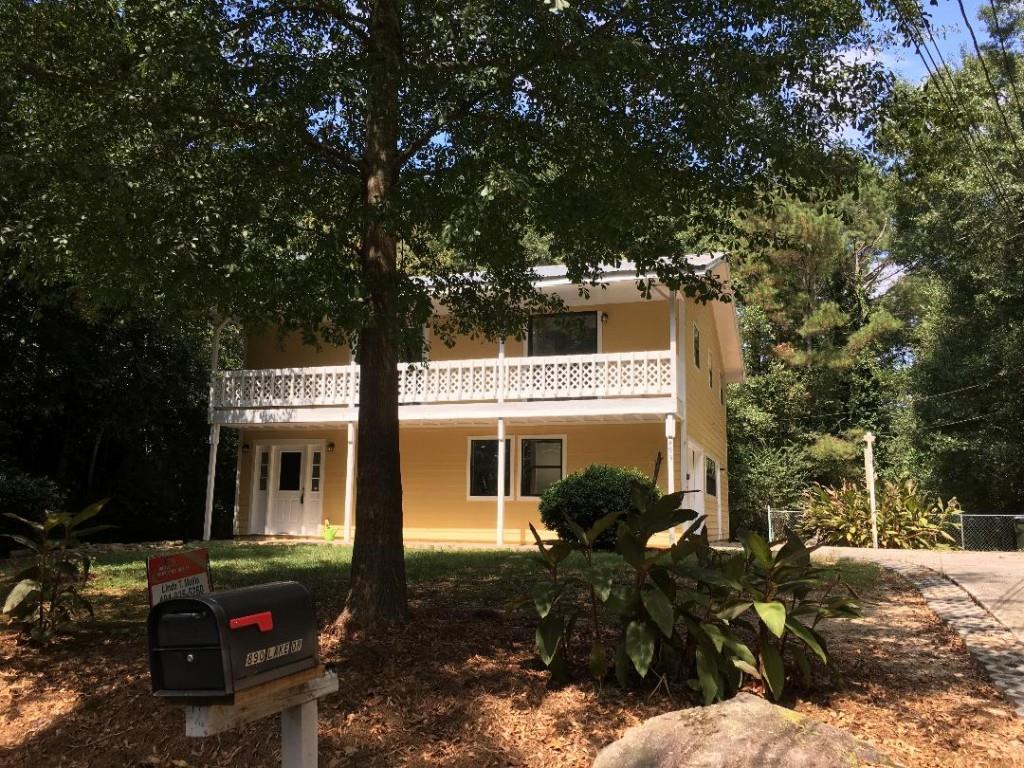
point(46, 596)
point(715, 620)
point(908, 517)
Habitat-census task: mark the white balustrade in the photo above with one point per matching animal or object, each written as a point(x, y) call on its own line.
point(622, 374)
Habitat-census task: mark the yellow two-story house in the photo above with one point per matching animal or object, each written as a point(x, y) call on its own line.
point(616, 379)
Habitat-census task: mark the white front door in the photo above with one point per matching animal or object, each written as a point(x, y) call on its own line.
point(296, 489)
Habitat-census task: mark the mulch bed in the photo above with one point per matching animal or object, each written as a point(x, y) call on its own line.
point(459, 687)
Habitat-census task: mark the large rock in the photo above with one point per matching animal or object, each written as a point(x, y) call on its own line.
point(745, 732)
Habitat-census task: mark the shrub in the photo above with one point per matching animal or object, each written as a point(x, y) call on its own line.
point(586, 496)
point(710, 618)
point(907, 516)
point(45, 596)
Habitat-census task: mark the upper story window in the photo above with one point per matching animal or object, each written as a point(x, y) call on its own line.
point(710, 476)
point(711, 373)
point(696, 345)
point(566, 333)
point(483, 468)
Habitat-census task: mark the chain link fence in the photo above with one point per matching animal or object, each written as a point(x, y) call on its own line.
point(973, 532)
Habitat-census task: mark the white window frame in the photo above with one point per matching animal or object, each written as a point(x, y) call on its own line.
point(469, 468)
point(695, 345)
point(519, 461)
point(600, 330)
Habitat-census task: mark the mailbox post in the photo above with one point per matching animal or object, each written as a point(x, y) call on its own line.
point(240, 655)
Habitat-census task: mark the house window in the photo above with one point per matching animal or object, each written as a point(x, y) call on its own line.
point(710, 477)
point(540, 464)
point(314, 483)
point(711, 373)
point(721, 391)
point(696, 345)
point(264, 469)
point(567, 333)
point(483, 468)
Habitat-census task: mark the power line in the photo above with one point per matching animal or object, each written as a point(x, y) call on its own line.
point(991, 84)
point(1008, 62)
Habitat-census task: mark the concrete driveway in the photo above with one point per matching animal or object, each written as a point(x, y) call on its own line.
point(993, 579)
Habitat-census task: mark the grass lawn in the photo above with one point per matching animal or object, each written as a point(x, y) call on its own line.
point(460, 685)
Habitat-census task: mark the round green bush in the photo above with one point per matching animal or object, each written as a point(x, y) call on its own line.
point(588, 495)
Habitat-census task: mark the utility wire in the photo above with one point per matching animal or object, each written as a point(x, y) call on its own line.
point(948, 96)
point(1009, 63)
point(991, 83)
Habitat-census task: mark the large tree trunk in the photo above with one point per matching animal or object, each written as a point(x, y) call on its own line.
point(377, 596)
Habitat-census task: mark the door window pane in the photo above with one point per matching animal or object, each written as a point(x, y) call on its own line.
point(710, 477)
point(314, 484)
point(567, 333)
point(483, 467)
point(264, 469)
point(289, 478)
point(541, 465)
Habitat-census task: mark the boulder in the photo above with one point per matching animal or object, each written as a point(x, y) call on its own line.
point(744, 732)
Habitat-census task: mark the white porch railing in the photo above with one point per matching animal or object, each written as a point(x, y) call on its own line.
point(623, 374)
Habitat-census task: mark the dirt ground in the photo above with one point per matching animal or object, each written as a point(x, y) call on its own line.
point(459, 687)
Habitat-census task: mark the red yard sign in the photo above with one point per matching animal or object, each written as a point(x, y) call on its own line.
point(184, 574)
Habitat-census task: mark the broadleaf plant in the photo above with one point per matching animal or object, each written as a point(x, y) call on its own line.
point(718, 619)
point(46, 596)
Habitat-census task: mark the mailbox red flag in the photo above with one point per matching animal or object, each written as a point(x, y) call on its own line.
point(183, 574)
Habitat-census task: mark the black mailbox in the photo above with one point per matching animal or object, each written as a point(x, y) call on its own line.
point(211, 646)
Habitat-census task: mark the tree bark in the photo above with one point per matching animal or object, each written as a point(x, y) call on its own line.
point(377, 595)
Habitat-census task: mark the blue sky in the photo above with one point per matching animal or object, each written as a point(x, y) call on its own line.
point(950, 33)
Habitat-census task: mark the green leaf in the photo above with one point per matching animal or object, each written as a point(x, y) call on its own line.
point(19, 539)
point(601, 582)
point(803, 664)
point(707, 675)
point(808, 636)
point(773, 614)
point(733, 609)
point(660, 609)
point(515, 603)
point(743, 666)
point(598, 661)
point(549, 637)
point(577, 530)
point(545, 595)
point(89, 512)
point(758, 548)
point(21, 592)
point(20, 519)
point(629, 547)
point(602, 525)
point(640, 646)
point(773, 670)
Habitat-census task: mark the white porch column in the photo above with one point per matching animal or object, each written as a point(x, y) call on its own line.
point(211, 473)
point(500, 538)
point(673, 346)
point(670, 456)
point(350, 481)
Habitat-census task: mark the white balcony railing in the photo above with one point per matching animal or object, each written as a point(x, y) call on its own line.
point(623, 374)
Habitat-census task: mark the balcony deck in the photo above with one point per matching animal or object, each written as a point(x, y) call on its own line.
point(610, 385)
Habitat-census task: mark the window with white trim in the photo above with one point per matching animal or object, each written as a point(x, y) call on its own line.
point(483, 467)
point(541, 464)
point(696, 345)
point(264, 468)
point(711, 372)
point(710, 476)
point(565, 333)
point(314, 482)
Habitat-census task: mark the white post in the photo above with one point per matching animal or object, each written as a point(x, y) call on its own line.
point(211, 473)
point(718, 513)
point(500, 538)
point(299, 736)
point(869, 475)
point(670, 460)
point(350, 481)
point(211, 469)
point(673, 347)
